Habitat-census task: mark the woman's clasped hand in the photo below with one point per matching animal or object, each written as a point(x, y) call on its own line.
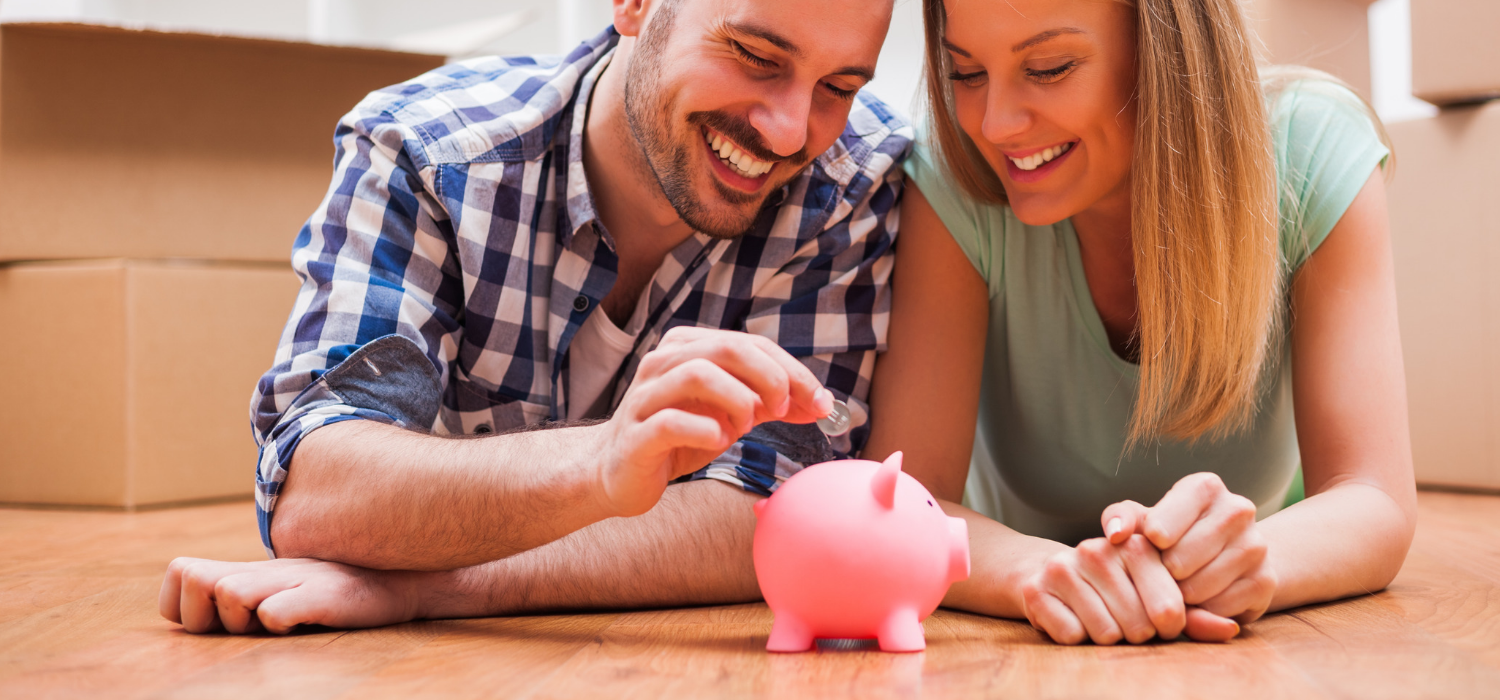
point(1194, 564)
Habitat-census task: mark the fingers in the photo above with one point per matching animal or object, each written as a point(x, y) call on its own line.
point(787, 389)
point(1062, 580)
point(197, 610)
point(325, 599)
point(1180, 508)
point(282, 612)
point(1052, 617)
point(702, 387)
point(1204, 626)
point(671, 429)
point(1121, 520)
point(169, 600)
point(1228, 520)
point(1246, 599)
point(1244, 555)
point(1103, 569)
point(1157, 589)
point(237, 596)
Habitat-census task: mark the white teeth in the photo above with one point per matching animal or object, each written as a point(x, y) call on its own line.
point(1035, 160)
point(741, 161)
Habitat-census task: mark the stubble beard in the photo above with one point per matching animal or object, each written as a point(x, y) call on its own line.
point(668, 160)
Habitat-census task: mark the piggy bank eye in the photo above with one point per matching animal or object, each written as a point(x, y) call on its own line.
point(930, 504)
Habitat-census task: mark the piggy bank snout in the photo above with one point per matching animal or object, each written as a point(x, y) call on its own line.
point(958, 550)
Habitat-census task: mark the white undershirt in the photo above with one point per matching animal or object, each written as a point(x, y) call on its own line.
point(595, 356)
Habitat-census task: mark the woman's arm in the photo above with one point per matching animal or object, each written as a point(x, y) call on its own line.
point(925, 398)
point(1351, 534)
point(1350, 392)
point(925, 402)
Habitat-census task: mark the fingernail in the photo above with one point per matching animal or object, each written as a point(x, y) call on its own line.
point(823, 401)
point(1236, 629)
point(786, 405)
point(1112, 528)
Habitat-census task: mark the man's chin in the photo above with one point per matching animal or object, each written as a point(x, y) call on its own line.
point(722, 212)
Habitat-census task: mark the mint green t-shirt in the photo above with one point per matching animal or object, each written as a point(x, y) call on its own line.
point(1056, 400)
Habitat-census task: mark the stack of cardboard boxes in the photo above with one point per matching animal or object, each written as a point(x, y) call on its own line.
point(1445, 226)
point(151, 185)
point(1329, 35)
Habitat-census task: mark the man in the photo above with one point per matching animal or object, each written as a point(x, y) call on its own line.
point(503, 242)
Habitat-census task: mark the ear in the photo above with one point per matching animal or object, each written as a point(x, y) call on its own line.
point(884, 483)
point(760, 506)
point(630, 16)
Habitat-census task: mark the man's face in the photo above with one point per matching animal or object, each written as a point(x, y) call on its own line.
point(730, 99)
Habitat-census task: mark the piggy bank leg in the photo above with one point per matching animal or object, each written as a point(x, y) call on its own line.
point(902, 631)
point(789, 634)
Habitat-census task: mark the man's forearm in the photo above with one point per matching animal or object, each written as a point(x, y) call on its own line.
point(377, 496)
point(693, 548)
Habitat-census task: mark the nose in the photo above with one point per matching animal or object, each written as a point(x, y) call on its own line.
point(958, 550)
point(782, 116)
point(1005, 117)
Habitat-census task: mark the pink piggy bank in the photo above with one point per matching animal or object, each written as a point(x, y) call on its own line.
point(855, 549)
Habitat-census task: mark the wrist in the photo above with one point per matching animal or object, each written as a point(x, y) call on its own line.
point(444, 595)
point(600, 454)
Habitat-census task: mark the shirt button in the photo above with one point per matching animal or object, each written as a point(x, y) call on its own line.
point(581, 304)
point(482, 429)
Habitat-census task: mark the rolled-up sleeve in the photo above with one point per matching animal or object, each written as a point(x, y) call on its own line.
point(375, 324)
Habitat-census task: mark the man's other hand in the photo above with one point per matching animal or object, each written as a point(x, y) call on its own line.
point(276, 596)
point(693, 396)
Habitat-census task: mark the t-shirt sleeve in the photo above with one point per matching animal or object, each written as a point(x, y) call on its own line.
point(1326, 148)
point(960, 213)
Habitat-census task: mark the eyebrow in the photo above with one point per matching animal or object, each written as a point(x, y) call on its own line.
point(1033, 41)
point(767, 36)
point(1044, 36)
point(865, 72)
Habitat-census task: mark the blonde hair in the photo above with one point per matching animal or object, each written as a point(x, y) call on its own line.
point(1208, 266)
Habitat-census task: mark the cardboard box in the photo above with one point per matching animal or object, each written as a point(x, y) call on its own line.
point(144, 144)
point(1455, 53)
point(1445, 232)
point(128, 383)
point(1329, 35)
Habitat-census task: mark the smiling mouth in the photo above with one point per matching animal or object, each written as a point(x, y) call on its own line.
point(1040, 158)
point(734, 157)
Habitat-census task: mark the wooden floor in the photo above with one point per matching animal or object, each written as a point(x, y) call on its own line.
point(78, 619)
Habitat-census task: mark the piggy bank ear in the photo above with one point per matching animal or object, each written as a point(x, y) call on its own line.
point(884, 483)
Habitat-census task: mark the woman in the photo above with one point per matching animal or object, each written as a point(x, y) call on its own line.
point(1152, 275)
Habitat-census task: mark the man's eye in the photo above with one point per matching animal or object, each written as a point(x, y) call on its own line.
point(839, 92)
point(1050, 74)
point(749, 57)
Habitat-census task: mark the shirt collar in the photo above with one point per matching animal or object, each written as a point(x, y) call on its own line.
point(580, 202)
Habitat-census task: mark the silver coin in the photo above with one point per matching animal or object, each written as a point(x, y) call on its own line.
point(837, 422)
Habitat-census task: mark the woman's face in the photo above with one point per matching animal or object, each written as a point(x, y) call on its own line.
point(1045, 88)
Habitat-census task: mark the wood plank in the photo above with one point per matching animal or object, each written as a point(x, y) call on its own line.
point(501, 657)
point(78, 619)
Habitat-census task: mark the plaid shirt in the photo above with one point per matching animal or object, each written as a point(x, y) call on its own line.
point(457, 253)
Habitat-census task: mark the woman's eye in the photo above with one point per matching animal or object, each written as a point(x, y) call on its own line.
point(1050, 74)
point(973, 79)
point(751, 58)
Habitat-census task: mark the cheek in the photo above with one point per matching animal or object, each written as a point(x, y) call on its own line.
point(825, 124)
point(969, 106)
